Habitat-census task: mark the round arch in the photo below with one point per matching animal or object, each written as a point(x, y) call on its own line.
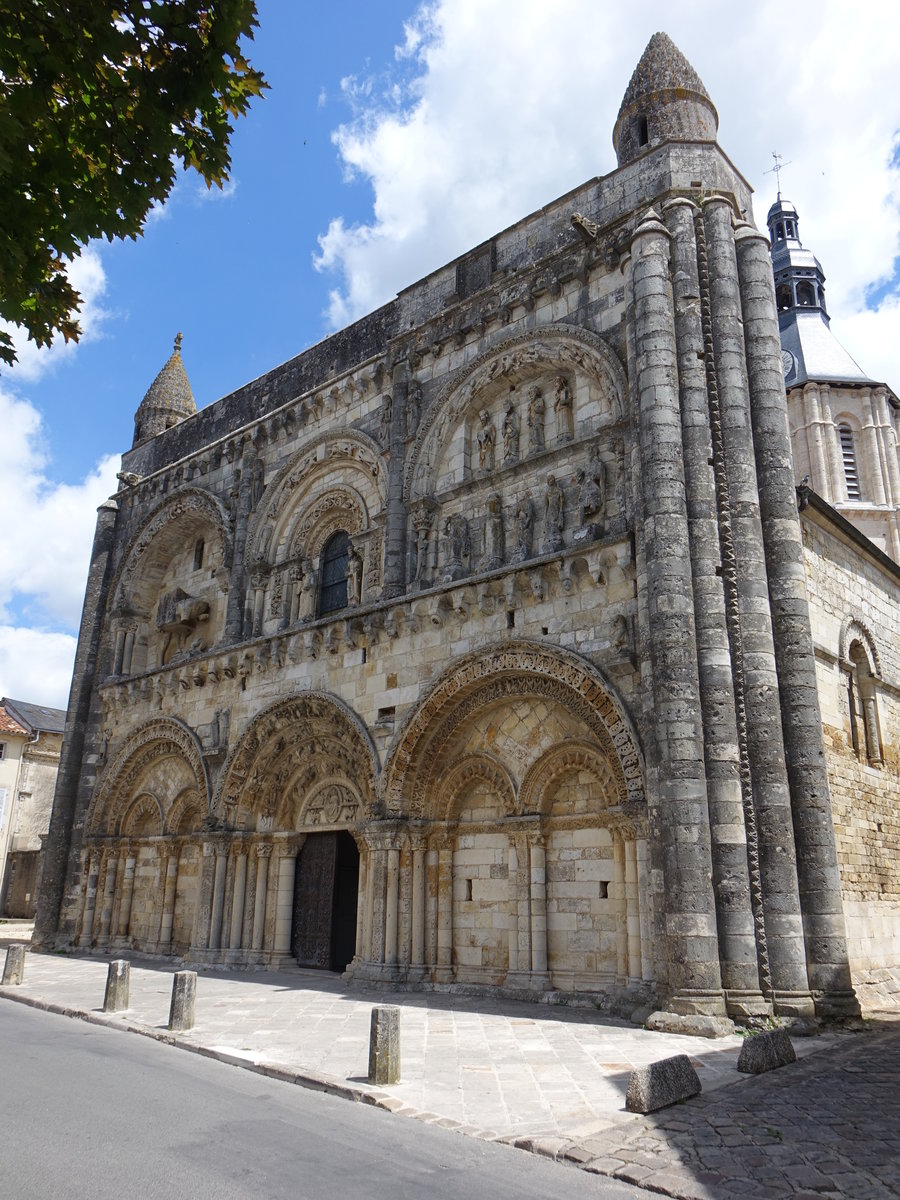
point(442, 803)
point(855, 630)
point(535, 795)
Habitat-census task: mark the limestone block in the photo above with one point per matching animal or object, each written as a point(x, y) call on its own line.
point(694, 1024)
point(661, 1083)
point(184, 993)
point(384, 1045)
point(118, 983)
point(14, 968)
point(766, 1051)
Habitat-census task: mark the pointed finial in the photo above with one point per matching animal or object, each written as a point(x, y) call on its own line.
point(780, 164)
point(178, 338)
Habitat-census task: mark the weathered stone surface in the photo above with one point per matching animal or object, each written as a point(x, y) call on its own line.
point(118, 985)
point(184, 994)
point(384, 1045)
point(661, 1083)
point(14, 967)
point(765, 1051)
point(694, 1024)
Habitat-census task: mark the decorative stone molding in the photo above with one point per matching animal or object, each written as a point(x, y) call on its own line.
point(855, 630)
point(445, 794)
point(146, 805)
point(535, 795)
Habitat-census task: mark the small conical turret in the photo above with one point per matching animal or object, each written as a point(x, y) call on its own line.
point(664, 102)
point(169, 399)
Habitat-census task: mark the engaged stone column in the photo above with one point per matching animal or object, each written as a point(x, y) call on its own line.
point(360, 947)
point(90, 898)
point(392, 905)
point(538, 909)
point(418, 901)
point(284, 903)
point(512, 873)
point(220, 847)
point(238, 897)
point(619, 906)
point(368, 942)
point(171, 884)
point(444, 970)
point(678, 780)
point(263, 854)
point(111, 860)
point(804, 747)
point(128, 651)
point(632, 915)
point(727, 790)
point(431, 906)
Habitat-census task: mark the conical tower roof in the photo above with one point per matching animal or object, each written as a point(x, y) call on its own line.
point(169, 399)
point(665, 101)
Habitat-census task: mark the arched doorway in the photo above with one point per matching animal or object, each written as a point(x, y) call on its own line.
point(326, 889)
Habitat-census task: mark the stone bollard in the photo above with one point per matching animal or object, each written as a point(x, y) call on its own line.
point(766, 1051)
point(14, 970)
point(118, 980)
point(384, 1045)
point(661, 1083)
point(184, 992)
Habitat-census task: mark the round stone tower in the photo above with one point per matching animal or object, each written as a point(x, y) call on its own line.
point(664, 102)
point(169, 399)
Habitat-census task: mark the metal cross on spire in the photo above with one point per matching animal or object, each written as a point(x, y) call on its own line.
point(777, 169)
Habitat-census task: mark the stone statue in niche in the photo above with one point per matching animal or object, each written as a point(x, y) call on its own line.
point(257, 482)
point(178, 616)
point(422, 520)
point(487, 437)
point(554, 516)
point(510, 434)
point(536, 411)
point(524, 528)
point(493, 534)
point(562, 407)
point(387, 413)
point(306, 608)
point(413, 407)
point(354, 576)
point(591, 496)
point(456, 531)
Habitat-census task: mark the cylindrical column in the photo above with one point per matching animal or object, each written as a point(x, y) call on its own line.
point(128, 651)
point(512, 868)
point(643, 897)
point(538, 905)
point(119, 651)
point(392, 903)
point(729, 792)
point(522, 886)
point(746, 572)
point(418, 902)
point(632, 913)
point(218, 896)
point(819, 882)
point(431, 906)
point(678, 791)
point(368, 924)
point(263, 854)
point(619, 907)
point(360, 948)
point(817, 441)
point(284, 904)
point(90, 898)
point(444, 972)
point(238, 897)
point(170, 889)
point(127, 894)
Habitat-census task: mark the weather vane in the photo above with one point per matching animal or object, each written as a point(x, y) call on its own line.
point(777, 169)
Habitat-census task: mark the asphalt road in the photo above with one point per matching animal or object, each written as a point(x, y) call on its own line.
point(88, 1113)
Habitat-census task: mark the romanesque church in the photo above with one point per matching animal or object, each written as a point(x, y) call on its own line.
point(526, 635)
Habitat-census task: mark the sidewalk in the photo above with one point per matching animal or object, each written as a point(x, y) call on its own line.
point(551, 1080)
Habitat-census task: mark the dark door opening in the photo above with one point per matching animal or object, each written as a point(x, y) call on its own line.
point(325, 893)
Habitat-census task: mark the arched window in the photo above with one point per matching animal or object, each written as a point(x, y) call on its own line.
point(805, 295)
point(864, 731)
point(198, 554)
point(848, 453)
point(643, 132)
point(783, 298)
point(333, 574)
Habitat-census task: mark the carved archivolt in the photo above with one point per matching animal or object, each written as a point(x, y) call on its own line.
point(292, 747)
point(194, 505)
point(340, 508)
point(536, 792)
point(510, 670)
point(446, 795)
point(136, 818)
point(854, 630)
point(186, 814)
point(559, 349)
point(348, 454)
point(158, 740)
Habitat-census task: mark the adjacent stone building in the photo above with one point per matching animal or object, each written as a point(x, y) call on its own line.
point(30, 744)
point(471, 648)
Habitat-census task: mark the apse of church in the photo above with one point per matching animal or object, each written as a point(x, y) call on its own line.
point(445, 654)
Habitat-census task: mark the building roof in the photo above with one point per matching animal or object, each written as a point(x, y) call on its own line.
point(9, 725)
point(169, 398)
point(36, 718)
point(662, 67)
point(816, 354)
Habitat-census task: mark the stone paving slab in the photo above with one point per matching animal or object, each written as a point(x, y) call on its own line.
point(550, 1080)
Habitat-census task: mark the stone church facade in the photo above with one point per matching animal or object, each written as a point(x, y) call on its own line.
point(472, 648)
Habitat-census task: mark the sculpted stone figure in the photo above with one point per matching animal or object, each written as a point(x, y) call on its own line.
point(413, 407)
point(562, 407)
point(354, 576)
point(524, 528)
point(493, 533)
point(487, 436)
point(456, 531)
point(591, 494)
point(536, 410)
point(307, 605)
point(554, 516)
point(510, 434)
point(387, 413)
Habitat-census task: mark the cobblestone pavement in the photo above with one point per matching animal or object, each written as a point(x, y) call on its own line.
point(551, 1080)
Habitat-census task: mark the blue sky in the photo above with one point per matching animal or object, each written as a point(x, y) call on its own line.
point(392, 138)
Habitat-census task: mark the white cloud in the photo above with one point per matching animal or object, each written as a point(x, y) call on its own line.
point(87, 276)
point(490, 116)
point(36, 666)
point(47, 540)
